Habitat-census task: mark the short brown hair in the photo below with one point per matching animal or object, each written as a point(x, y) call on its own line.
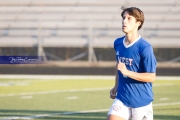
point(135, 12)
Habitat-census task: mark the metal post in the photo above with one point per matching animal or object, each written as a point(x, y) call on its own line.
point(39, 39)
point(41, 53)
point(90, 40)
point(91, 55)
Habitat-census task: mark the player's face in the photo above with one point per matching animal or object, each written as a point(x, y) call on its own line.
point(129, 23)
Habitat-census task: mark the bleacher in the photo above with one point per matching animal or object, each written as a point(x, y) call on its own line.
point(71, 23)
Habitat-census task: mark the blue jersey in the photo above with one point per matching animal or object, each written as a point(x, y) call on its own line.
point(138, 57)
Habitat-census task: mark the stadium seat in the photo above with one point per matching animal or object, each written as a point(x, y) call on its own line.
point(63, 23)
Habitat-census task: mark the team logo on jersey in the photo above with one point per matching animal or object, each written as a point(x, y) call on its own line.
point(127, 61)
point(116, 108)
point(117, 53)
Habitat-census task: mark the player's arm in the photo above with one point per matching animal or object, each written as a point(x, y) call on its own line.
point(116, 77)
point(149, 64)
point(143, 77)
point(113, 91)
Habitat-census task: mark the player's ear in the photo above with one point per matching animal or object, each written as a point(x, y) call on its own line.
point(139, 23)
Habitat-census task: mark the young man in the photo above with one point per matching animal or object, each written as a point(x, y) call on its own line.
point(135, 72)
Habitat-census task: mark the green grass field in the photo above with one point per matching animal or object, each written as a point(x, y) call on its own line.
point(76, 99)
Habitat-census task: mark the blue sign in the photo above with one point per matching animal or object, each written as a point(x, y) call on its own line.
point(21, 59)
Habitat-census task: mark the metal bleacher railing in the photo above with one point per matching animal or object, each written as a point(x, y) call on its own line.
point(84, 23)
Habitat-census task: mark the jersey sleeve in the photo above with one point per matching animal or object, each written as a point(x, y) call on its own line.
point(115, 49)
point(149, 60)
point(115, 42)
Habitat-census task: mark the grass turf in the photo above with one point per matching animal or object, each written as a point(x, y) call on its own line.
point(54, 97)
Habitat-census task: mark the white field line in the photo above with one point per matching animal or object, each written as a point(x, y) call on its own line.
point(55, 91)
point(162, 85)
point(70, 113)
point(71, 90)
point(60, 77)
point(65, 77)
point(166, 104)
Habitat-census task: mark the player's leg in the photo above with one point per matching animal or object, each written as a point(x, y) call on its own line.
point(118, 111)
point(143, 113)
point(114, 117)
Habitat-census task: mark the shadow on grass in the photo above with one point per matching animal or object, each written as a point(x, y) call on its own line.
point(59, 115)
point(81, 116)
point(166, 117)
point(52, 115)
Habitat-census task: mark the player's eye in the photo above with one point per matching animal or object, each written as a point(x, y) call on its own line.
point(129, 18)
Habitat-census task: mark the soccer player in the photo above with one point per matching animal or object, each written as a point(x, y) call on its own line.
point(135, 71)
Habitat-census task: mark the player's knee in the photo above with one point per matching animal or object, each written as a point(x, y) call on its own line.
point(114, 117)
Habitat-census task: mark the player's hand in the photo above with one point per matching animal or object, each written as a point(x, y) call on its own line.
point(122, 67)
point(113, 92)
